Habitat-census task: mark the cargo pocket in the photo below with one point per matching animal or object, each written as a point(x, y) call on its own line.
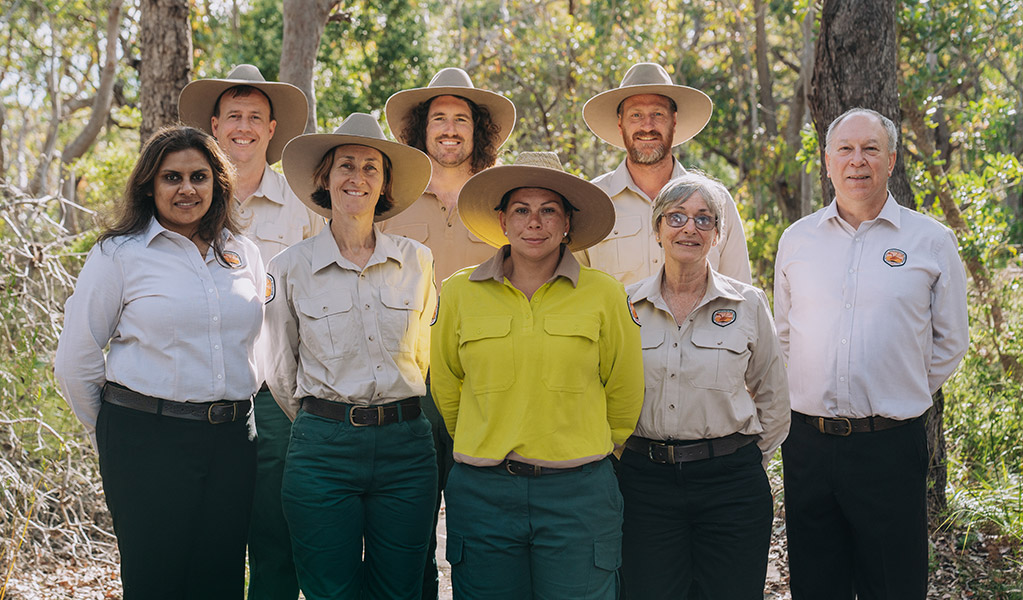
point(607, 553)
point(455, 550)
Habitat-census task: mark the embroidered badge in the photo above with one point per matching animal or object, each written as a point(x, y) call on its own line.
point(893, 257)
point(232, 259)
point(632, 311)
point(271, 288)
point(436, 311)
point(723, 317)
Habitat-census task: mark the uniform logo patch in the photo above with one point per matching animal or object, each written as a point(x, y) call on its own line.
point(632, 311)
point(436, 312)
point(723, 317)
point(271, 288)
point(893, 257)
point(232, 259)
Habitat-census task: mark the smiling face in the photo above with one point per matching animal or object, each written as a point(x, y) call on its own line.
point(243, 127)
point(687, 244)
point(183, 191)
point(647, 125)
point(535, 222)
point(449, 130)
point(859, 161)
point(356, 181)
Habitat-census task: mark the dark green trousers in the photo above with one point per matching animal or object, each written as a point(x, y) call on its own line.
point(551, 537)
point(179, 492)
point(347, 489)
point(443, 445)
point(271, 567)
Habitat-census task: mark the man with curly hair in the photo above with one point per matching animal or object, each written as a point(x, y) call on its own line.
point(461, 128)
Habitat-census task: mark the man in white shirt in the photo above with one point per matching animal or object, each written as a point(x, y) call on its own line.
point(653, 116)
point(870, 307)
point(253, 119)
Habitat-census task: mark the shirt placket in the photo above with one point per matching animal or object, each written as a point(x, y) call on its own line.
point(371, 330)
point(213, 309)
point(674, 360)
point(845, 329)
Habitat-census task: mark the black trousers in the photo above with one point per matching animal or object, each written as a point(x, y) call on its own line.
point(856, 513)
point(180, 494)
point(697, 530)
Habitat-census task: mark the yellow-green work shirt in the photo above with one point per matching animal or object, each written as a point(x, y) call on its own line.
point(555, 381)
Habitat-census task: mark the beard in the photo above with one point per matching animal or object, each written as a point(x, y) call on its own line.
point(648, 156)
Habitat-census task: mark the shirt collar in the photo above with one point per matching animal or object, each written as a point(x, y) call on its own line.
point(718, 286)
point(621, 178)
point(270, 186)
point(154, 229)
point(326, 252)
point(493, 268)
point(889, 212)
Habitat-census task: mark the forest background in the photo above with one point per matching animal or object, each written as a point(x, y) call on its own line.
point(82, 81)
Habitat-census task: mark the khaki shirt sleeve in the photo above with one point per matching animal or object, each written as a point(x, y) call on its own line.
point(621, 368)
point(425, 318)
point(767, 382)
point(315, 224)
point(282, 339)
point(734, 255)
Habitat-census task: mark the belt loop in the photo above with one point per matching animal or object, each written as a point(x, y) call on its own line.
point(159, 407)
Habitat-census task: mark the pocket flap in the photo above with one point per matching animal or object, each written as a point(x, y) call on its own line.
point(323, 305)
point(607, 553)
point(413, 231)
point(401, 299)
point(651, 337)
point(270, 231)
point(625, 226)
point(455, 548)
point(725, 339)
point(573, 325)
point(479, 328)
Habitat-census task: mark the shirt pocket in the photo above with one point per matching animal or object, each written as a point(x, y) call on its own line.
point(627, 244)
point(327, 326)
point(488, 354)
point(719, 359)
point(413, 231)
point(275, 235)
point(652, 341)
point(399, 321)
point(571, 358)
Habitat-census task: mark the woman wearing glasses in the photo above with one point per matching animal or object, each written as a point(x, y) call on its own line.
point(698, 506)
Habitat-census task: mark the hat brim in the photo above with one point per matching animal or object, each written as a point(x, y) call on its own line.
point(410, 168)
point(591, 222)
point(399, 105)
point(694, 109)
point(290, 108)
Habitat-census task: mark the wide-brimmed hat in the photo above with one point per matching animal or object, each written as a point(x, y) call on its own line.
point(591, 222)
point(451, 81)
point(290, 108)
point(694, 107)
point(410, 168)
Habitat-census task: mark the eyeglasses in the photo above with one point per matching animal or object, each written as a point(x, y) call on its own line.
point(678, 221)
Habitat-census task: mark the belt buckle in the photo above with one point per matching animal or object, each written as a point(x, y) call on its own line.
point(380, 415)
point(848, 426)
point(670, 448)
point(209, 412)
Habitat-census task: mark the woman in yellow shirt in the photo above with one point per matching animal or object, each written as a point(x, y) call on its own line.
point(536, 370)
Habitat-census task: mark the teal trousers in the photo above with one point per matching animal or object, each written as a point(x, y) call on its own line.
point(271, 568)
point(550, 537)
point(348, 488)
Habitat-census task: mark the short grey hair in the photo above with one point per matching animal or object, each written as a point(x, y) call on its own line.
point(889, 126)
point(678, 190)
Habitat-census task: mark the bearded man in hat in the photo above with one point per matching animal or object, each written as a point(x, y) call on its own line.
point(253, 119)
point(653, 115)
point(460, 128)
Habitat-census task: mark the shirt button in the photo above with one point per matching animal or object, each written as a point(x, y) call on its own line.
point(673, 376)
point(379, 367)
point(719, 343)
point(220, 375)
point(371, 338)
point(841, 378)
point(406, 303)
point(216, 346)
point(215, 319)
point(210, 290)
point(671, 406)
point(844, 341)
point(675, 345)
point(852, 270)
point(367, 306)
point(847, 305)
point(655, 261)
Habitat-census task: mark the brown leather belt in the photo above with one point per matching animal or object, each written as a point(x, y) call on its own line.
point(842, 426)
point(522, 469)
point(214, 413)
point(673, 452)
point(362, 416)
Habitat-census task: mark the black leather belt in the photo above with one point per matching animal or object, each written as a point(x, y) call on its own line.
point(215, 413)
point(362, 416)
point(672, 452)
point(522, 469)
point(842, 426)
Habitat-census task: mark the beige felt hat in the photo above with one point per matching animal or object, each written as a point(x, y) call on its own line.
point(694, 107)
point(451, 81)
point(410, 168)
point(592, 221)
point(290, 108)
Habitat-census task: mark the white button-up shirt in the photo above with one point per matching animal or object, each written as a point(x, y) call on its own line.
point(630, 252)
point(345, 334)
point(872, 320)
point(181, 327)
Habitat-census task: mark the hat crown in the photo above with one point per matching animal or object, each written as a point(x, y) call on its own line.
point(247, 73)
point(451, 77)
point(646, 74)
point(548, 160)
point(361, 125)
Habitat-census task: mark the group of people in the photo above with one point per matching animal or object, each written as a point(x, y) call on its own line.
point(264, 362)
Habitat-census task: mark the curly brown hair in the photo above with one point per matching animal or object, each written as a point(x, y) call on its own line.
point(485, 132)
point(138, 206)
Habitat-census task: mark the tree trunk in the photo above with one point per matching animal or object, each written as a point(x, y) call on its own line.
point(764, 77)
point(937, 468)
point(855, 65)
point(304, 21)
point(166, 42)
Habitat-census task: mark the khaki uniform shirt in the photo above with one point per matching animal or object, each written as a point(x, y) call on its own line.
point(428, 222)
point(720, 372)
point(630, 252)
point(344, 334)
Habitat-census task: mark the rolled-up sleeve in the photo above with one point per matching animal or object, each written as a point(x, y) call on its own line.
point(767, 382)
